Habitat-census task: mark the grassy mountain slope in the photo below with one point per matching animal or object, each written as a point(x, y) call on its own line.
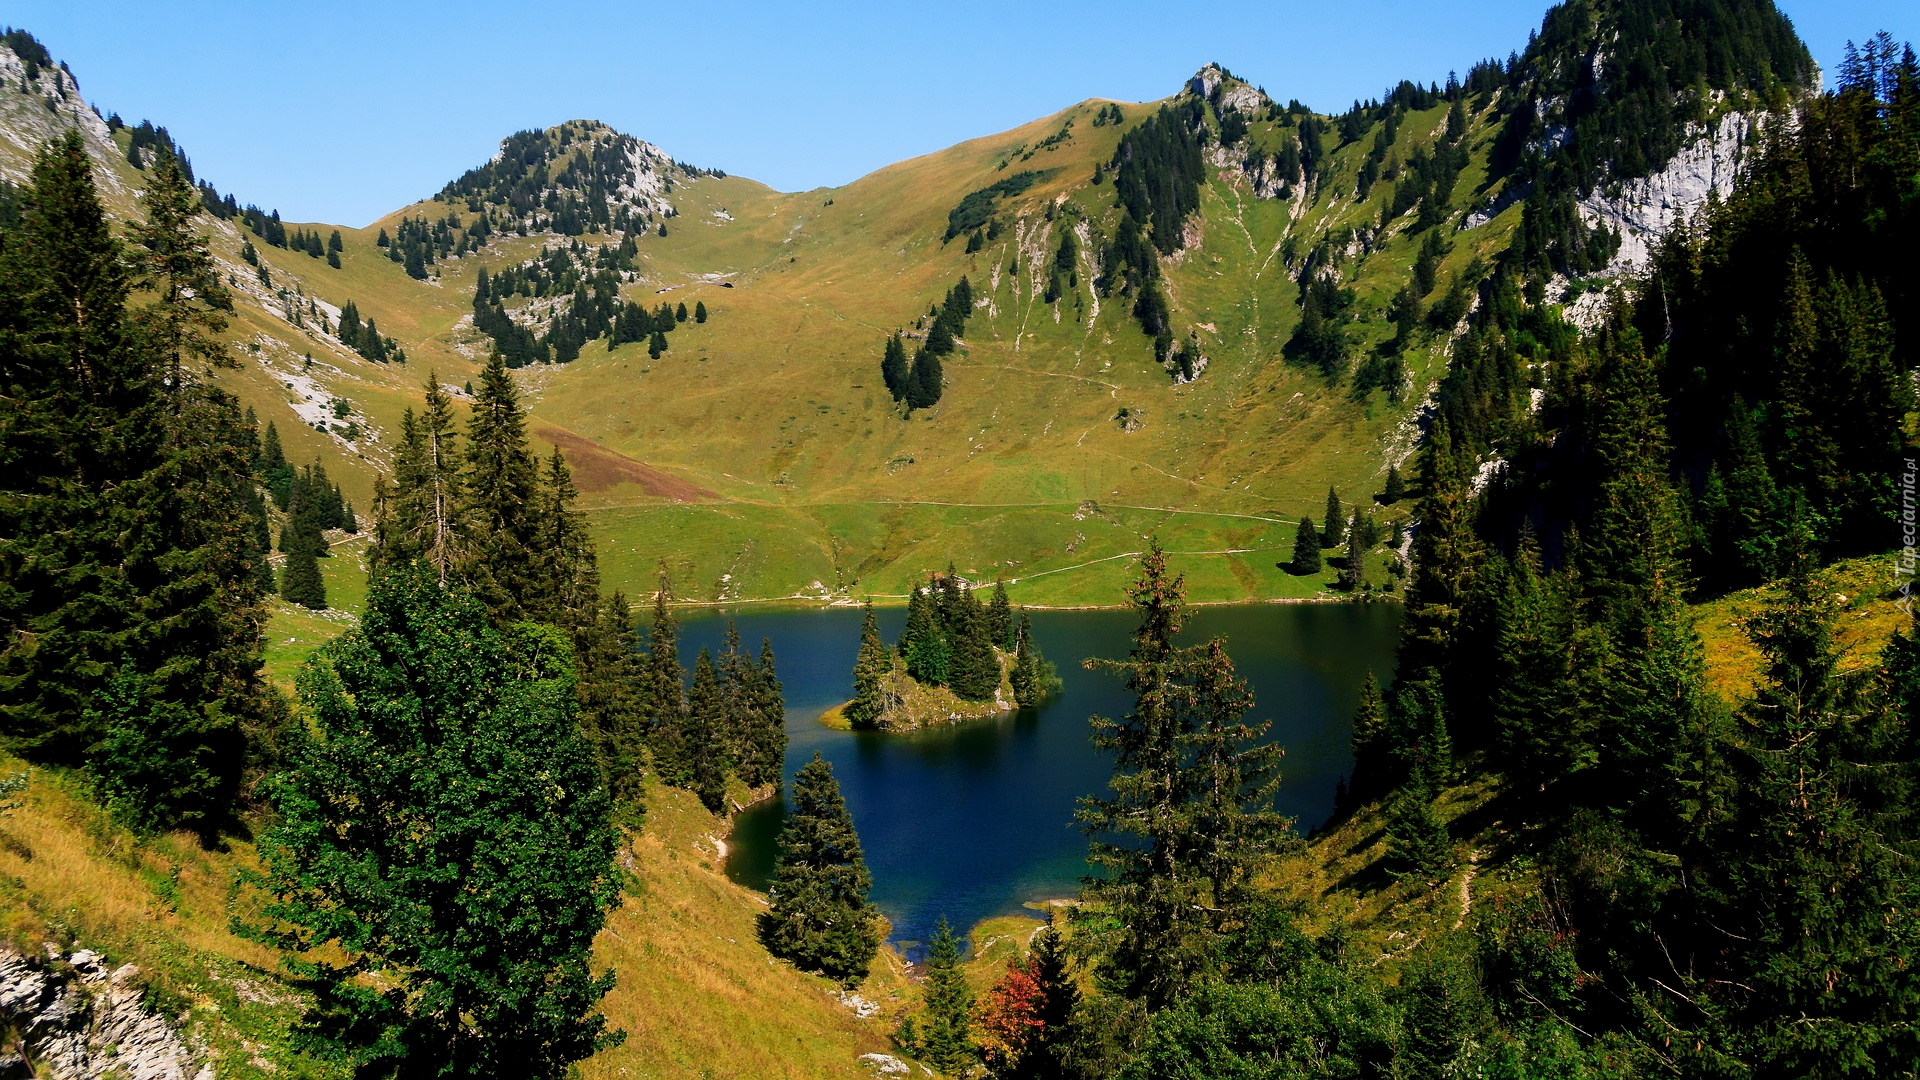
point(698, 996)
point(761, 454)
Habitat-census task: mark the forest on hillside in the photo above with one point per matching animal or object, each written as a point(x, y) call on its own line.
point(1692, 885)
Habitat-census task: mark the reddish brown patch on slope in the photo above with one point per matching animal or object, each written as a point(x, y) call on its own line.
point(596, 468)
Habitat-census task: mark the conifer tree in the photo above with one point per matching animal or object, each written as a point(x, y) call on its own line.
point(1000, 618)
point(420, 514)
point(923, 643)
point(870, 668)
point(765, 755)
point(820, 918)
point(894, 370)
point(945, 1028)
point(925, 382)
point(500, 508)
point(705, 739)
point(663, 691)
point(300, 581)
point(1139, 834)
point(1353, 576)
point(700, 311)
point(1026, 674)
point(680, 313)
point(1396, 488)
point(1306, 548)
point(1336, 522)
point(1369, 734)
point(974, 671)
point(1417, 840)
point(611, 677)
point(406, 842)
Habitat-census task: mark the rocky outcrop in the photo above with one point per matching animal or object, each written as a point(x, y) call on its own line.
point(1641, 211)
point(32, 111)
point(68, 1016)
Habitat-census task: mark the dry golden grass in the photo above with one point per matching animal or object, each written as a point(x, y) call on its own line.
point(1868, 617)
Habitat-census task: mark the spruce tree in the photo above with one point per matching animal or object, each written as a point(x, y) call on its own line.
point(870, 668)
point(700, 311)
point(925, 382)
point(705, 735)
point(894, 369)
point(820, 918)
point(1353, 576)
point(765, 756)
point(1369, 735)
point(945, 1027)
point(1336, 522)
point(1396, 488)
point(422, 512)
point(1418, 846)
point(1306, 549)
point(1139, 833)
point(974, 671)
point(500, 510)
point(1026, 675)
point(923, 644)
point(300, 581)
point(663, 690)
point(405, 842)
point(611, 675)
point(1000, 626)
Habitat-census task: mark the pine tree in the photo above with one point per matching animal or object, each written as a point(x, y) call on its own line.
point(945, 1027)
point(764, 758)
point(820, 918)
point(1417, 840)
point(1353, 576)
point(422, 513)
point(923, 644)
point(974, 671)
point(1336, 522)
point(500, 508)
point(1306, 549)
point(680, 313)
point(1028, 688)
point(300, 581)
point(1139, 834)
point(610, 686)
point(925, 382)
point(1369, 736)
point(705, 738)
point(1234, 774)
point(894, 369)
point(1396, 488)
point(870, 668)
point(700, 311)
point(1000, 618)
point(405, 842)
point(664, 692)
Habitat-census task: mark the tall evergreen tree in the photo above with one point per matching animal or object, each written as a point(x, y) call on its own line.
point(1000, 618)
point(820, 918)
point(946, 1019)
point(894, 368)
point(406, 844)
point(870, 667)
point(764, 757)
point(974, 672)
point(1336, 521)
point(705, 741)
point(501, 507)
point(664, 691)
point(1306, 549)
point(612, 674)
point(1026, 674)
point(923, 643)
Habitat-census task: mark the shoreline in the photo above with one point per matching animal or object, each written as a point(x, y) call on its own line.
point(891, 600)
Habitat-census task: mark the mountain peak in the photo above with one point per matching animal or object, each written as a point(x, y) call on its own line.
point(1225, 90)
point(575, 177)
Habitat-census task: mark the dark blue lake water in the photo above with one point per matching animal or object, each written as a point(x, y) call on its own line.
point(975, 819)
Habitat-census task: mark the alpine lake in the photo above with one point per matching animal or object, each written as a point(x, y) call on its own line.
point(976, 819)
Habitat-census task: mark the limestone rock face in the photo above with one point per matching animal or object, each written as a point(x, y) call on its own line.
point(78, 1020)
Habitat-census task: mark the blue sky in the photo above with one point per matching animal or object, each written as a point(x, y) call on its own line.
point(345, 111)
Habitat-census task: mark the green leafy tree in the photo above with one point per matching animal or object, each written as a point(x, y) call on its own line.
point(820, 918)
point(444, 917)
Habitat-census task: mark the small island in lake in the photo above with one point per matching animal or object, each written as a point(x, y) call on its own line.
point(957, 659)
